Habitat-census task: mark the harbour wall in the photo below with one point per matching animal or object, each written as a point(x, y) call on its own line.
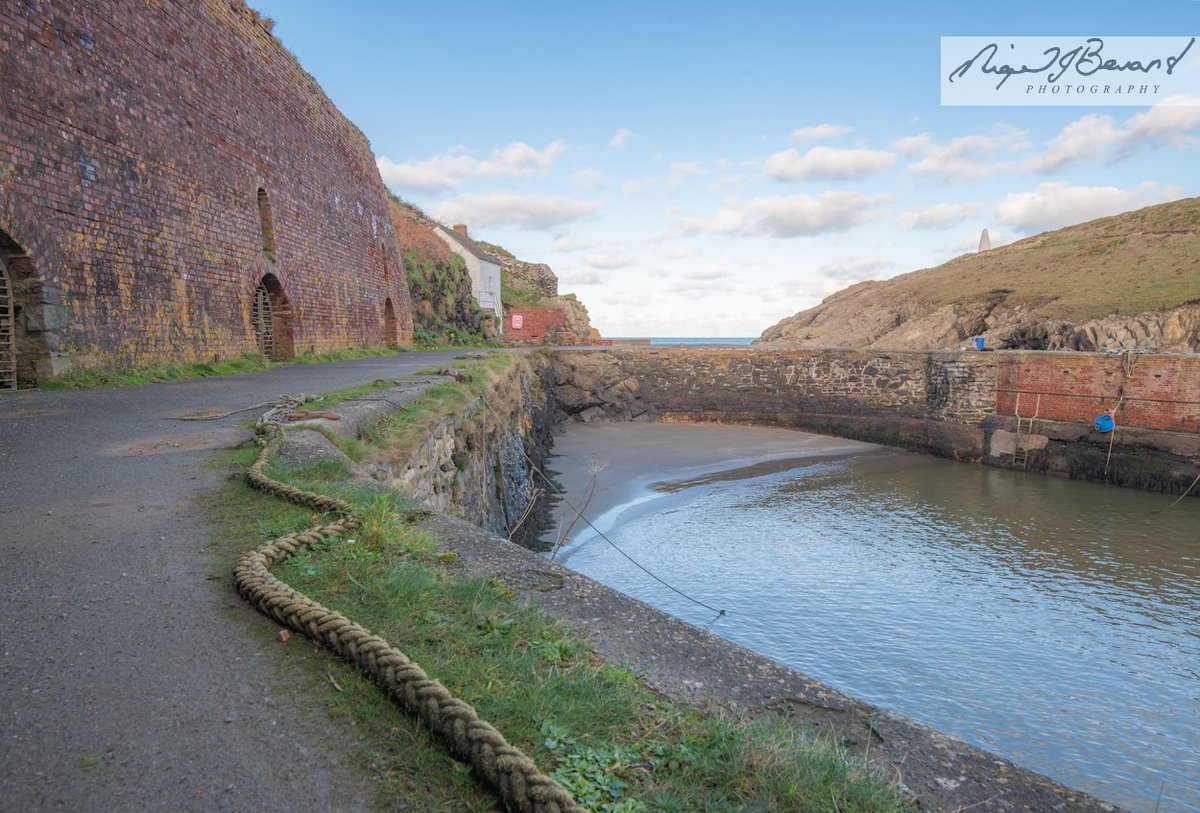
point(961, 405)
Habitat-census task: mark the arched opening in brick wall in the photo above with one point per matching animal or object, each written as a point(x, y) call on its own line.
point(271, 315)
point(266, 224)
point(27, 324)
point(391, 330)
point(8, 330)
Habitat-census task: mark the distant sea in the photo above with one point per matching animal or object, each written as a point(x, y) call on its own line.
point(656, 340)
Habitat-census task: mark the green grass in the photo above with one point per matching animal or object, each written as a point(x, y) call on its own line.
point(617, 746)
point(517, 292)
point(1130, 263)
point(246, 363)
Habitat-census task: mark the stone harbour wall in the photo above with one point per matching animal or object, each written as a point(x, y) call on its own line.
point(475, 464)
point(159, 161)
point(954, 404)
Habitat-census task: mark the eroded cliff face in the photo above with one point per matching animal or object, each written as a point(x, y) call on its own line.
point(478, 464)
point(853, 319)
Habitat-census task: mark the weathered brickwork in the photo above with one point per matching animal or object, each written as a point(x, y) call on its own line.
point(538, 325)
point(1148, 392)
point(135, 137)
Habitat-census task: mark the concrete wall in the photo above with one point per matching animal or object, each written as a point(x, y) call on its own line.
point(134, 137)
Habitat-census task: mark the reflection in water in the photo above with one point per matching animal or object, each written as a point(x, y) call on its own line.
point(1055, 622)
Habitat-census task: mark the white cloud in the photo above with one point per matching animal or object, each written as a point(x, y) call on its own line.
point(681, 251)
point(827, 163)
point(449, 170)
point(854, 269)
point(967, 158)
point(1083, 138)
point(569, 242)
point(632, 187)
point(1171, 123)
point(590, 178)
point(523, 211)
point(1055, 204)
point(681, 171)
point(581, 278)
point(608, 261)
point(620, 137)
point(433, 175)
point(708, 274)
point(789, 215)
point(938, 216)
point(800, 215)
point(819, 132)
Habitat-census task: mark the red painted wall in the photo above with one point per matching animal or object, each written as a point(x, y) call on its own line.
point(1159, 392)
point(536, 323)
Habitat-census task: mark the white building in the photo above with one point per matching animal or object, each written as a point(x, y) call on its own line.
point(485, 273)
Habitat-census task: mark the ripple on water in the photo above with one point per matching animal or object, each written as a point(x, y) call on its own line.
point(1055, 622)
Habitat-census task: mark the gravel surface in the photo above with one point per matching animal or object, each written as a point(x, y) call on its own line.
point(131, 679)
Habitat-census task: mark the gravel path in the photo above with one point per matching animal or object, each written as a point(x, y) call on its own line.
point(130, 680)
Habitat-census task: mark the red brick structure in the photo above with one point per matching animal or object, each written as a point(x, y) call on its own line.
point(174, 187)
point(533, 325)
point(1154, 392)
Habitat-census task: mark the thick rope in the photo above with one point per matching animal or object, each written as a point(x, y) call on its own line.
point(520, 784)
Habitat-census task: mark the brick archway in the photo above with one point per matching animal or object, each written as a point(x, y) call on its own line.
point(391, 332)
point(25, 320)
point(271, 316)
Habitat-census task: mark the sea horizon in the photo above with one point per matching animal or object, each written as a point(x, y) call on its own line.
point(691, 340)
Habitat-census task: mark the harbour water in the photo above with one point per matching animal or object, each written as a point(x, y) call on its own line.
point(1054, 622)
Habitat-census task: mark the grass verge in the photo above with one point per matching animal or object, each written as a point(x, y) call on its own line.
point(617, 746)
point(246, 363)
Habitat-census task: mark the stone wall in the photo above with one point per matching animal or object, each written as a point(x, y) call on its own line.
point(954, 404)
point(475, 464)
point(158, 161)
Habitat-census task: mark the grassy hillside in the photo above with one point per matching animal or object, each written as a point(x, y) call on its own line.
point(444, 309)
point(1147, 260)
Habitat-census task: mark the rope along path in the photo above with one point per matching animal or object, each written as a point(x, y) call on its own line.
point(521, 785)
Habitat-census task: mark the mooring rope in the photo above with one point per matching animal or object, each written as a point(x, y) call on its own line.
point(536, 469)
point(521, 786)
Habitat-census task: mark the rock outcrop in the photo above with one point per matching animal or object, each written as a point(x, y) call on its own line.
point(1130, 282)
point(439, 285)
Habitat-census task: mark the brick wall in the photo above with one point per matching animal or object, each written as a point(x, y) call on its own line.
point(536, 324)
point(134, 137)
point(1154, 392)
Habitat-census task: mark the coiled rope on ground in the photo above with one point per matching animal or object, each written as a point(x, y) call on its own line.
point(520, 784)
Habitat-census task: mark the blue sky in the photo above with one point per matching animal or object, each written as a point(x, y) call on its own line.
point(704, 168)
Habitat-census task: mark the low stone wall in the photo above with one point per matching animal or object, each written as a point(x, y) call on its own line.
point(476, 464)
point(960, 405)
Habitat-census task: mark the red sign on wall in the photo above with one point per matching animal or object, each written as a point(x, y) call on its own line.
point(518, 321)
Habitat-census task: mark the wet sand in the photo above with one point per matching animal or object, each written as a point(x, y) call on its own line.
point(633, 463)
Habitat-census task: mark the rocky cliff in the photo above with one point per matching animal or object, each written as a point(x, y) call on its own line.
point(1129, 282)
point(535, 285)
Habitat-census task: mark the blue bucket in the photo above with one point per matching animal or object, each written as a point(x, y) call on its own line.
point(1104, 423)
point(978, 342)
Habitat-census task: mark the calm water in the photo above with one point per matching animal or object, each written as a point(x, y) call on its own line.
point(1054, 622)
